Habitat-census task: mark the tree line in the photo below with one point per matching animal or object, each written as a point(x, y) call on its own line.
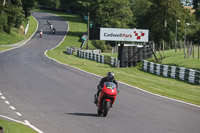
point(14, 12)
point(159, 16)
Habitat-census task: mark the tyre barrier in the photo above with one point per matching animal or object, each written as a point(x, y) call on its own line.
point(69, 51)
point(98, 58)
point(185, 74)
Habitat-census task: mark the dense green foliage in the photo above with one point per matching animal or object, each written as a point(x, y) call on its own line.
point(99, 44)
point(14, 12)
point(159, 16)
point(14, 36)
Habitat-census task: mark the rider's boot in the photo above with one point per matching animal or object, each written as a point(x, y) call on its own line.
point(95, 98)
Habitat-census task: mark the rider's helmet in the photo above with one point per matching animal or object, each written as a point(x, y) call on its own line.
point(110, 76)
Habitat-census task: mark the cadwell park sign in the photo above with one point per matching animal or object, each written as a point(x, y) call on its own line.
point(117, 34)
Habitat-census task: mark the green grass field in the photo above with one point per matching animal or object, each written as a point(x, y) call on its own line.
point(134, 76)
point(14, 127)
point(177, 59)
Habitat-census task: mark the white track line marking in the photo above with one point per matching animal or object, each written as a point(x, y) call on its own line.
point(33, 127)
point(0, 93)
point(11, 119)
point(18, 114)
point(7, 102)
point(13, 108)
point(2, 97)
point(24, 123)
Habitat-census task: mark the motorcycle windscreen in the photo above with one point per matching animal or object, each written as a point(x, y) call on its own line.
point(110, 85)
point(110, 88)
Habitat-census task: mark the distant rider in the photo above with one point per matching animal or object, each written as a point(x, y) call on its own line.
point(54, 30)
point(41, 33)
point(109, 78)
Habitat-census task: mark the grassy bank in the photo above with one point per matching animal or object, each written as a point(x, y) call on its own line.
point(15, 36)
point(14, 127)
point(134, 76)
point(177, 59)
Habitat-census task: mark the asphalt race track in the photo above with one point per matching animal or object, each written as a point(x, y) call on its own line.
point(59, 99)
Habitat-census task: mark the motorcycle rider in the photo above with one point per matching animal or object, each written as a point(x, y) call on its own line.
point(109, 78)
point(41, 33)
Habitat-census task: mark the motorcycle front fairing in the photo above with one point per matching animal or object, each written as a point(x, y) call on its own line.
point(108, 93)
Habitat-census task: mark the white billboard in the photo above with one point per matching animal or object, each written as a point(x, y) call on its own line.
point(115, 34)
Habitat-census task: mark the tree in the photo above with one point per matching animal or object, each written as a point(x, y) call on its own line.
point(12, 15)
point(196, 6)
point(108, 13)
point(49, 3)
point(140, 9)
point(67, 4)
point(28, 6)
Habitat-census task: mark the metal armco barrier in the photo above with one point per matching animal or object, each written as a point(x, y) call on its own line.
point(189, 75)
point(97, 57)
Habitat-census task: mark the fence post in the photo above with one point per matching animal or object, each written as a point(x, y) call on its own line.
point(188, 49)
point(193, 49)
point(184, 49)
point(163, 46)
point(198, 51)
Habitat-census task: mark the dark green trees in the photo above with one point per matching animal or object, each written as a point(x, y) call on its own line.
point(11, 15)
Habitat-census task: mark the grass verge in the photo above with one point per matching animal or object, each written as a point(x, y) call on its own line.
point(177, 59)
point(14, 127)
point(134, 76)
point(15, 36)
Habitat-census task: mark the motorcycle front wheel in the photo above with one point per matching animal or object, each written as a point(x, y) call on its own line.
point(99, 112)
point(106, 108)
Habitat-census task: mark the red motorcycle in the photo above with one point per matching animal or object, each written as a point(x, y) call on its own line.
point(106, 98)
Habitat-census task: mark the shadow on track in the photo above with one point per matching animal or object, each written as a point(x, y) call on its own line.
point(83, 114)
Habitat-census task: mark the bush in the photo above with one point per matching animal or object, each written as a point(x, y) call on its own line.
point(99, 45)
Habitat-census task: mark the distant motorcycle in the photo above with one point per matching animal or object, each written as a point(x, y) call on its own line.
point(48, 22)
point(41, 33)
point(54, 30)
point(106, 98)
